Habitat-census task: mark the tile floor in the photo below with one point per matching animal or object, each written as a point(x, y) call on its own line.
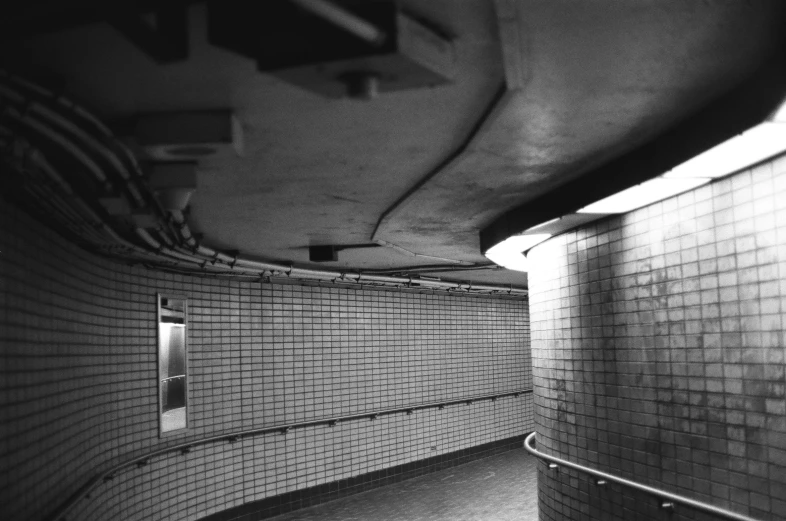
point(499, 488)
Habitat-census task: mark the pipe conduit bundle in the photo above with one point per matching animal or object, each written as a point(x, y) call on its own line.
point(66, 160)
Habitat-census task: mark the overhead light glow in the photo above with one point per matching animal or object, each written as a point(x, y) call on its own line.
point(543, 224)
point(510, 252)
point(646, 193)
point(752, 146)
point(780, 115)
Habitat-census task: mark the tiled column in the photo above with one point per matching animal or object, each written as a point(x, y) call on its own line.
point(658, 353)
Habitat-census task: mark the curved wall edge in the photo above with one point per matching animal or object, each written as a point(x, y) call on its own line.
point(658, 353)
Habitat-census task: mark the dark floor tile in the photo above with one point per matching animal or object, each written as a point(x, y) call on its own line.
point(499, 488)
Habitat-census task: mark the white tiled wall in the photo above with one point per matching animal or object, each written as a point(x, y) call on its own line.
point(658, 352)
point(79, 381)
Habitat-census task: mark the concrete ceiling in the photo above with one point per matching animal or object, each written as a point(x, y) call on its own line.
point(545, 91)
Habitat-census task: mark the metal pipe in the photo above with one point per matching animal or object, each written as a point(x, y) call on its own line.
point(91, 166)
point(343, 19)
point(58, 99)
point(58, 138)
point(47, 197)
point(92, 218)
point(128, 167)
point(259, 266)
point(94, 221)
point(221, 262)
point(185, 448)
point(421, 255)
point(52, 117)
point(662, 494)
point(430, 268)
point(55, 209)
point(163, 250)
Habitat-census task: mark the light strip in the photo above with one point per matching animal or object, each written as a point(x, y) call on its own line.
point(646, 193)
point(543, 224)
point(510, 252)
point(752, 146)
point(780, 115)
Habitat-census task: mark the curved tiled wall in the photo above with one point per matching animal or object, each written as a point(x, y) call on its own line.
point(79, 381)
point(658, 353)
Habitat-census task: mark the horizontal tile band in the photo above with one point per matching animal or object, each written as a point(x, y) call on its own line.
point(232, 437)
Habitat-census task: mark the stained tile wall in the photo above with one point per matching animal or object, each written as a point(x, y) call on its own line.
point(658, 353)
point(78, 382)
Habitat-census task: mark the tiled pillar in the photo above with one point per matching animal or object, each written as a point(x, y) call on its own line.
point(658, 353)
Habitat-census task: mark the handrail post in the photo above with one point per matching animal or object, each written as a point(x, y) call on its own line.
point(666, 499)
point(186, 448)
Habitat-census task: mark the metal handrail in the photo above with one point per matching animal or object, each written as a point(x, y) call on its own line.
point(185, 448)
point(672, 498)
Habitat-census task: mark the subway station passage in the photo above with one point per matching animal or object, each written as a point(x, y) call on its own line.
point(500, 488)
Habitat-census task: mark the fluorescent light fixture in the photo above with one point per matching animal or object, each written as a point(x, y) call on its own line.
point(543, 224)
point(510, 252)
point(646, 193)
point(780, 115)
point(754, 145)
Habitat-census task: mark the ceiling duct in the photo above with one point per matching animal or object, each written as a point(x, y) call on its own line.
point(187, 135)
point(336, 49)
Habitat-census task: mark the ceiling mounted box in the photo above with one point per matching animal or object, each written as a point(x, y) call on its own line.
point(308, 50)
point(173, 184)
point(322, 253)
point(188, 135)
